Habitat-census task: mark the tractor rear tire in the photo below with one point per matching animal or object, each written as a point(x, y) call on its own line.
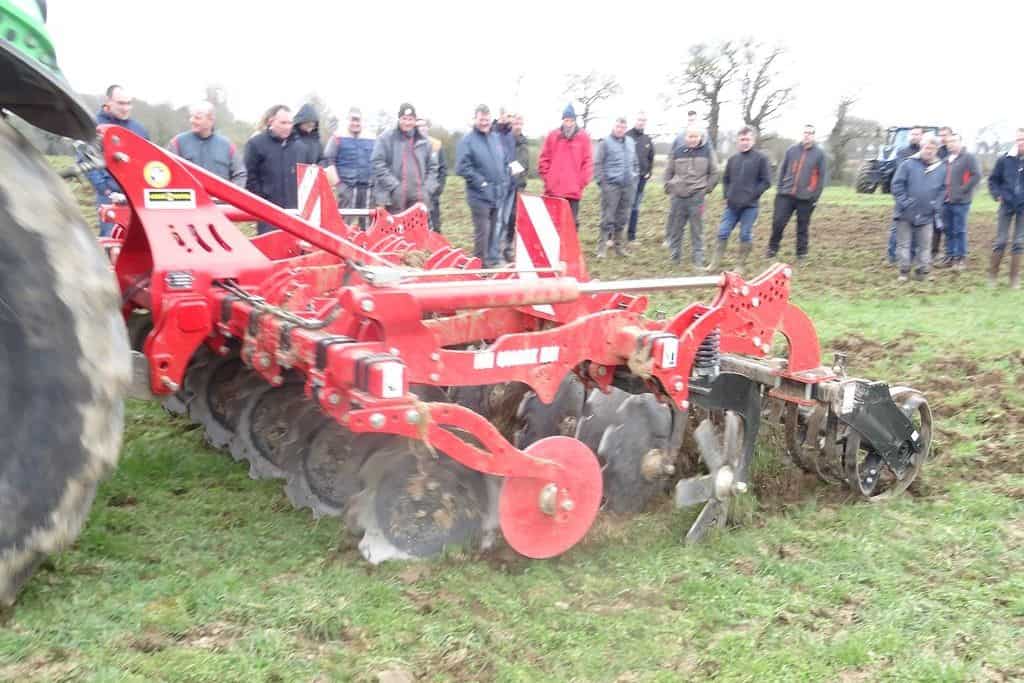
point(64, 364)
point(865, 185)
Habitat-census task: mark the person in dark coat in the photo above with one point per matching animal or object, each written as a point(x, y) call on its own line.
point(520, 170)
point(803, 175)
point(270, 159)
point(917, 189)
point(1006, 183)
point(404, 165)
point(746, 177)
point(902, 154)
point(645, 162)
point(307, 129)
point(482, 161)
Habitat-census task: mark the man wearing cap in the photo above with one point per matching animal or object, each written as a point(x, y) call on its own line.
point(482, 160)
point(404, 166)
point(442, 173)
point(566, 161)
point(348, 155)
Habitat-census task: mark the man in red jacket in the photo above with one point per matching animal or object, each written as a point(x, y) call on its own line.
point(566, 161)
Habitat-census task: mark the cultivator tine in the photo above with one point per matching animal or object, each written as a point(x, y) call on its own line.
point(694, 491)
point(713, 515)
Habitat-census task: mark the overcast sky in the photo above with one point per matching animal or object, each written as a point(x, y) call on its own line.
point(947, 65)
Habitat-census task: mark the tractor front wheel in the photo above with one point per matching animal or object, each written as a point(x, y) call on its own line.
point(866, 183)
point(64, 364)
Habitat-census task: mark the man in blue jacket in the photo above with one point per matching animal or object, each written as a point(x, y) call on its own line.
point(482, 160)
point(918, 187)
point(349, 154)
point(1007, 186)
point(116, 110)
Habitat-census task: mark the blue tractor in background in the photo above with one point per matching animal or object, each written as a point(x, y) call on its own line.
point(878, 172)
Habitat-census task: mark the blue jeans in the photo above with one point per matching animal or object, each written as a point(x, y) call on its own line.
point(954, 219)
point(634, 212)
point(1008, 215)
point(105, 228)
point(745, 217)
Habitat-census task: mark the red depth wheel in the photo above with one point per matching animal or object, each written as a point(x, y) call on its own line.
point(542, 518)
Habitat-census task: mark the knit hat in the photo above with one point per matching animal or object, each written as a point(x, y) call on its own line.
point(569, 112)
point(406, 110)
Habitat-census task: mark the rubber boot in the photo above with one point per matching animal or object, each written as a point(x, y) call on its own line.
point(745, 248)
point(602, 246)
point(1015, 271)
point(993, 268)
point(717, 258)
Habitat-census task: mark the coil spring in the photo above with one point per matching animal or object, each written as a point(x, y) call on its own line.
point(707, 361)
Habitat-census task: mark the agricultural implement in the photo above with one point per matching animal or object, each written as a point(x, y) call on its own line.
point(382, 375)
point(387, 379)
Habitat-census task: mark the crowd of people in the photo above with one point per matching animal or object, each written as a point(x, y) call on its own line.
point(932, 188)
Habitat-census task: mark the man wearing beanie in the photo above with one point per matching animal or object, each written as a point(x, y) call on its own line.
point(566, 161)
point(483, 160)
point(404, 165)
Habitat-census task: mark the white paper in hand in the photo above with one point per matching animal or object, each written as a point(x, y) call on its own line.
point(515, 167)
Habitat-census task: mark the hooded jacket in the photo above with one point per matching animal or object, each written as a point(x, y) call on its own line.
point(404, 169)
point(918, 189)
point(311, 140)
point(566, 163)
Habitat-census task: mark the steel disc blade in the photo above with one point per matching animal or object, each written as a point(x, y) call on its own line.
point(332, 462)
point(712, 516)
point(527, 528)
point(634, 453)
point(598, 414)
point(423, 505)
point(558, 418)
point(693, 491)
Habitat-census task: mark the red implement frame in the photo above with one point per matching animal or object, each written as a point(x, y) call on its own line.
point(336, 305)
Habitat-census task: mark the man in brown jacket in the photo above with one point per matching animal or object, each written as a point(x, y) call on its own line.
point(690, 175)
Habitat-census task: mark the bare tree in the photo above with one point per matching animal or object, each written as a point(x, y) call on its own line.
point(705, 76)
point(590, 88)
point(760, 94)
point(846, 131)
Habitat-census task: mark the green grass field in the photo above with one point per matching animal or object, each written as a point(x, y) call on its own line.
point(190, 571)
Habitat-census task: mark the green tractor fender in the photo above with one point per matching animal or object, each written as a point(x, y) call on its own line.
point(31, 85)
